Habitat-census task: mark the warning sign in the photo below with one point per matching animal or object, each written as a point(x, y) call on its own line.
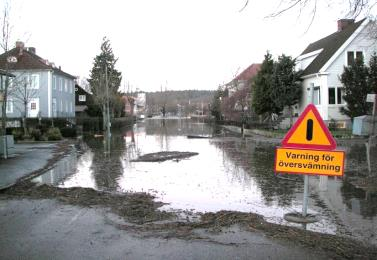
point(309, 132)
point(301, 161)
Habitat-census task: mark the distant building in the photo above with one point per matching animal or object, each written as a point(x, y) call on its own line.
point(139, 108)
point(236, 104)
point(241, 80)
point(50, 90)
point(323, 62)
point(82, 97)
point(129, 103)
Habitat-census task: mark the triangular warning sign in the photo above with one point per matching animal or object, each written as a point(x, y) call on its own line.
point(309, 132)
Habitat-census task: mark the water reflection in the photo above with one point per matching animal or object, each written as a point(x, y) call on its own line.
point(228, 174)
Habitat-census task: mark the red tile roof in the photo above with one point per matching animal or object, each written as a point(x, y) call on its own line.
point(249, 72)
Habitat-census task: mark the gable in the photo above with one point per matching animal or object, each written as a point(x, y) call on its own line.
point(329, 45)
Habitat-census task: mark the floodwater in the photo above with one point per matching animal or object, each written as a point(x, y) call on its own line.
point(230, 173)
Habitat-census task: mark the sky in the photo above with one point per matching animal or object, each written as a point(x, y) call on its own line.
point(168, 44)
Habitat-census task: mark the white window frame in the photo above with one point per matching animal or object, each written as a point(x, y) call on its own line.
point(337, 101)
point(61, 84)
point(34, 81)
point(354, 56)
point(82, 98)
point(70, 87)
point(55, 82)
point(9, 108)
point(65, 85)
point(61, 105)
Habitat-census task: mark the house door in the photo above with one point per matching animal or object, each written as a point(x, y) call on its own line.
point(33, 107)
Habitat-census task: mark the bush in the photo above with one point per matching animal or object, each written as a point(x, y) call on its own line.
point(68, 131)
point(18, 134)
point(332, 125)
point(53, 134)
point(26, 137)
point(36, 134)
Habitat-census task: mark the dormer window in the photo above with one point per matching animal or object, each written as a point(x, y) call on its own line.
point(352, 56)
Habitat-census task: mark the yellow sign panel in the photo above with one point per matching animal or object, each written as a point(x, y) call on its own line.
point(309, 132)
point(301, 161)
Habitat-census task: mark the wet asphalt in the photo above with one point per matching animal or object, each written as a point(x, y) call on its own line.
point(46, 229)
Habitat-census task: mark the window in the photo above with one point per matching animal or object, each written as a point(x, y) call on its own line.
point(82, 98)
point(54, 107)
point(61, 85)
point(54, 82)
point(9, 106)
point(65, 86)
point(66, 106)
point(317, 96)
point(70, 87)
point(33, 106)
point(61, 105)
point(353, 55)
point(70, 107)
point(332, 96)
point(336, 96)
point(340, 96)
point(34, 81)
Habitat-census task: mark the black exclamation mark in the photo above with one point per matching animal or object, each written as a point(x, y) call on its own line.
point(309, 129)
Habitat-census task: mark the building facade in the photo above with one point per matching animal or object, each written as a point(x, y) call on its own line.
point(323, 63)
point(39, 89)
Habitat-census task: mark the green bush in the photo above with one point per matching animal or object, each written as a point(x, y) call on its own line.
point(68, 131)
point(53, 134)
point(36, 134)
point(18, 134)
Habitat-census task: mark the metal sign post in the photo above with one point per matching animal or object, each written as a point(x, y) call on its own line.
point(371, 98)
point(309, 148)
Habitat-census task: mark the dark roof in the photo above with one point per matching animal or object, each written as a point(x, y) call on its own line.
point(27, 60)
point(81, 91)
point(330, 45)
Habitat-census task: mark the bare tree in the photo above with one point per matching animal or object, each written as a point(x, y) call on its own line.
point(23, 91)
point(4, 44)
point(354, 7)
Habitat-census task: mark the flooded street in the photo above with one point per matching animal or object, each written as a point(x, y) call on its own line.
point(229, 173)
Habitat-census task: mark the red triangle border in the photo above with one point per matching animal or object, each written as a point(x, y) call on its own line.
point(331, 139)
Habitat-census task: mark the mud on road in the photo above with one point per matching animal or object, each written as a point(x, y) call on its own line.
point(140, 213)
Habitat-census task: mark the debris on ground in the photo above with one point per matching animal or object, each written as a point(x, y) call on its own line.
point(164, 156)
point(198, 136)
point(135, 207)
point(141, 211)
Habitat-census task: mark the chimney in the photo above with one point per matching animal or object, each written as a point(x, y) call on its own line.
point(343, 23)
point(20, 45)
point(32, 50)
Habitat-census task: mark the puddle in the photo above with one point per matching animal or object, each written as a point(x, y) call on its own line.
point(228, 174)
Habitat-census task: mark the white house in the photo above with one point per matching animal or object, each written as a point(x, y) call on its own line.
point(323, 62)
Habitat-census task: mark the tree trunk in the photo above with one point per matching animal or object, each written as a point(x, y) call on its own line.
point(290, 116)
point(3, 117)
point(24, 119)
point(104, 115)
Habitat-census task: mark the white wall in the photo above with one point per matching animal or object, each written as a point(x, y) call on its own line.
point(331, 76)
